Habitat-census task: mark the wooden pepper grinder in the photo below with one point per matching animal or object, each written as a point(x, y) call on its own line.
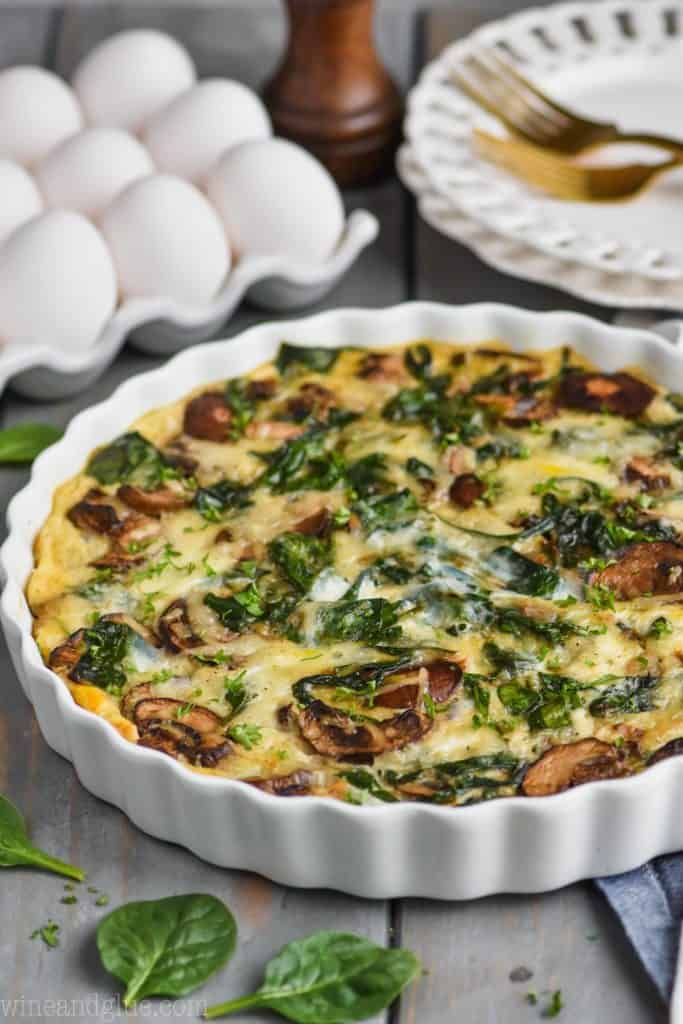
point(332, 94)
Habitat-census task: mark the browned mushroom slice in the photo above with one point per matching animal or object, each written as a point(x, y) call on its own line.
point(440, 679)
point(258, 390)
point(171, 738)
point(117, 560)
point(296, 784)
point(178, 456)
point(152, 503)
point(572, 764)
point(529, 410)
point(140, 692)
point(311, 399)
point(68, 654)
point(444, 678)
point(618, 393)
point(642, 471)
point(400, 695)
point(654, 568)
point(211, 749)
point(319, 524)
point(175, 628)
point(208, 418)
point(94, 513)
point(674, 748)
point(152, 710)
point(335, 734)
point(274, 430)
point(381, 366)
point(466, 489)
point(136, 529)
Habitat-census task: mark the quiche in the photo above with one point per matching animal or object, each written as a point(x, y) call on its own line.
point(426, 573)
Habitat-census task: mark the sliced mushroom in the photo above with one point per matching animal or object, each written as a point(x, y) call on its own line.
point(151, 710)
point(400, 695)
point(572, 764)
point(439, 678)
point(382, 366)
point(258, 390)
point(152, 503)
point(618, 393)
point(674, 748)
point(68, 654)
point(178, 456)
point(136, 529)
point(178, 738)
point(319, 524)
point(94, 513)
point(175, 628)
point(117, 560)
point(444, 678)
point(208, 418)
point(140, 692)
point(466, 489)
point(335, 734)
point(296, 784)
point(647, 568)
point(643, 471)
point(275, 430)
point(311, 399)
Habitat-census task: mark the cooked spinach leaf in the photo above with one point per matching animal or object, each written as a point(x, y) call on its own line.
point(242, 407)
point(300, 558)
point(501, 448)
point(420, 470)
point(388, 511)
point(237, 612)
point(295, 357)
point(215, 501)
point(106, 648)
point(303, 464)
point(368, 475)
point(166, 947)
point(372, 621)
point(627, 696)
point(329, 978)
point(360, 680)
point(522, 574)
point(549, 707)
point(418, 361)
point(505, 660)
point(132, 459)
point(361, 779)
point(17, 849)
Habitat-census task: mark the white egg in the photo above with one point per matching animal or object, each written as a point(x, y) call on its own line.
point(57, 283)
point(127, 78)
point(166, 241)
point(19, 197)
point(188, 136)
point(88, 171)
point(37, 110)
point(275, 199)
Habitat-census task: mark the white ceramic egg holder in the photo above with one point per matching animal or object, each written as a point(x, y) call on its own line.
point(164, 327)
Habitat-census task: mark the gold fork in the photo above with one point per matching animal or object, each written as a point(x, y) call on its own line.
point(564, 179)
point(494, 84)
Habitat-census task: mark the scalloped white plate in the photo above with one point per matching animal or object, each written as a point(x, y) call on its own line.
point(164, 327)
point(516, 844)
point(609, 60)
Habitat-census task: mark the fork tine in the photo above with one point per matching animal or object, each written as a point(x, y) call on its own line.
point(507, 68)
point(488, 91)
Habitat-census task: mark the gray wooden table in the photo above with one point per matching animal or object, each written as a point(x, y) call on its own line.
point(567, 938)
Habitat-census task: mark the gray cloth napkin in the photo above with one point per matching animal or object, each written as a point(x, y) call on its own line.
point(649, 904)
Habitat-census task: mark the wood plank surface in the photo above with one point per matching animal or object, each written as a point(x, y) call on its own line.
point(121, 860)
point(568, 939)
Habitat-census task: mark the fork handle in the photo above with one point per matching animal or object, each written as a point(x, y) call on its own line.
point(671, 145)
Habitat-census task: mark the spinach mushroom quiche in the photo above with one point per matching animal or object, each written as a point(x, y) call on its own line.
point(422, 573)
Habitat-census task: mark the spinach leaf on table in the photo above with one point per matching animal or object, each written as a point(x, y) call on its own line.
point(25, 441)
point(329, 978)
point(166, 947)
point(17, 849)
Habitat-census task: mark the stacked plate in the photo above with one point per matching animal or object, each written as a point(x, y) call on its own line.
point(609, 61)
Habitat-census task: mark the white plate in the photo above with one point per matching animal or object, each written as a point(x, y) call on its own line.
point(609, 60)
point(516, 844)
point(164, 327)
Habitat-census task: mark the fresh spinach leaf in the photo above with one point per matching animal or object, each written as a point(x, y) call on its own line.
point(25, 441)
point(295, 357)
point(133, 459)
point(329, 978)
point(300, 558)
point(214, 502)
point(387, 511)
point(166, 947)
point(372, 621)
point(17, 849)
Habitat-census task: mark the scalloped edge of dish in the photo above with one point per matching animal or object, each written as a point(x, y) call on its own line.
point(515, 844)
point(164, 327)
